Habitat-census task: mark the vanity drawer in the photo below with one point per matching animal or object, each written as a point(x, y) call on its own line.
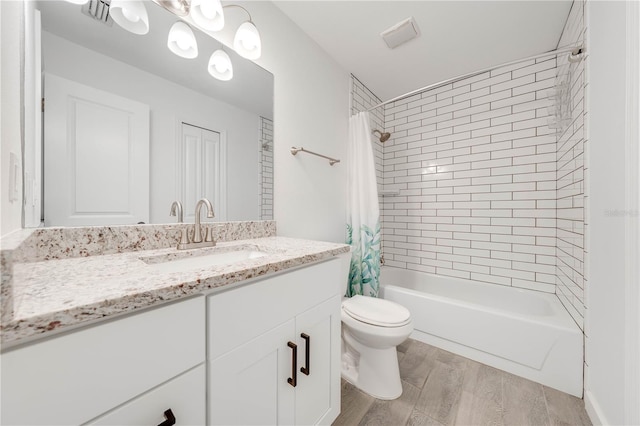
point(78, 376)
point(185, 396)
point(241, 314)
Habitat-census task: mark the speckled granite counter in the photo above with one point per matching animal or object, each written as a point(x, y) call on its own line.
point(35, 245)
point(50, 295)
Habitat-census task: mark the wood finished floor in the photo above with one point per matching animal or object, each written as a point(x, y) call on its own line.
point(441, 388)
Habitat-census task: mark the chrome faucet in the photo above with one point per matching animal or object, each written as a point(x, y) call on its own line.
point(198, 240)
point(197, 232)
point(176, 206)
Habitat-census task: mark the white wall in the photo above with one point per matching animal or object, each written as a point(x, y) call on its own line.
point(169, 103)
point(311, 110)
point(11, 17)
point(606, 345)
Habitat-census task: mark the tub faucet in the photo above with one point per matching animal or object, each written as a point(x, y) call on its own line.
point(176, 206)
point(197, 231)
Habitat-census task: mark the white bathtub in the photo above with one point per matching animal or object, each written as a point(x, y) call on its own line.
point(524, 332)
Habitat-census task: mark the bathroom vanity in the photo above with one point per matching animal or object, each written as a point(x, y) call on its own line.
point(247, 339)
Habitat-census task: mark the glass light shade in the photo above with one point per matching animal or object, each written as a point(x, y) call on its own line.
point(78, 1)
point(220, 66)
point(182, 41)
point(130, 15)
point(207, 14)
point(247, 41)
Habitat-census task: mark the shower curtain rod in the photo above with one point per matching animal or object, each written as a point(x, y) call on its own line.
point(576, 51)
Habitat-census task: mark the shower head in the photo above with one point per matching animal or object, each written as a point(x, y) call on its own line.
point(383, 136)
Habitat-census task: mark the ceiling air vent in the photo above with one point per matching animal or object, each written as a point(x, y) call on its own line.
point(99, 10)
point(400, 33)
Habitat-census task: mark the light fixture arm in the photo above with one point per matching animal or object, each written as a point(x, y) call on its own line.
point(238, 6)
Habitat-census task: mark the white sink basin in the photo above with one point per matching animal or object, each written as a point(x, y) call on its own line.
point(190, 263)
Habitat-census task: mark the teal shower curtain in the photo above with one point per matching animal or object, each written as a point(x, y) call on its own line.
point(363, 214)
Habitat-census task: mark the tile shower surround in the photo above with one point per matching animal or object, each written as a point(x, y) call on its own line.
point(572, 172)
point(480, 155)
point(266, 169)
point(475, 166)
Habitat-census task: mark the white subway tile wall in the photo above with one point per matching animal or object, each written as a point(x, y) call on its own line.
point(266, 168)
point(571, 175)
point(475, 166)
point(488, 189)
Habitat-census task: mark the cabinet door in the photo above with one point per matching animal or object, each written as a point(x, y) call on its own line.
point(254, 309)
point(318, 336)
point(184, 396)
point(248, 385)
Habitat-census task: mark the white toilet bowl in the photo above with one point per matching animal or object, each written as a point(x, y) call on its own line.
point(371, 330)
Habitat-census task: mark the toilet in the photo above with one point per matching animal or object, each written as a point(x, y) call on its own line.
point(371, 330)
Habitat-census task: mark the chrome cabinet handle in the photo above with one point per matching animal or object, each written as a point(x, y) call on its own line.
point(293, 381)
point(170, 418)
point(307, 354)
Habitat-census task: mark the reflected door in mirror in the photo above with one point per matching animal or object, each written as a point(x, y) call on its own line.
point(202, 170)
point(96, 151)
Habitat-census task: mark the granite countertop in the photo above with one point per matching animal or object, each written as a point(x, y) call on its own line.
point(53, 295)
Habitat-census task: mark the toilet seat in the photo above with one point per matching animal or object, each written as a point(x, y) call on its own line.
point(378, 312)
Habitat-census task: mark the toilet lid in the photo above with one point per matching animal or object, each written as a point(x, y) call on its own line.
point(380, 312)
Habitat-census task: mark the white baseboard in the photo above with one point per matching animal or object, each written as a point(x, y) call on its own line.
point(593, 410)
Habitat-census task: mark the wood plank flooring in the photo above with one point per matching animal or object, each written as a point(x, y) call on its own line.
point(441, 388)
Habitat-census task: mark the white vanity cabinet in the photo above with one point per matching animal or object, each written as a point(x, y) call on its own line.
point(262, 339)
point(132, 368)
point(263, 352)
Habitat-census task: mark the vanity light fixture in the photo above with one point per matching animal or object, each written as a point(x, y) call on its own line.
point(207, 14)
point(220, 66)
point(130, 15)
point(177, 7)
point(182, 41)
point(247, 39)
point(80, 2)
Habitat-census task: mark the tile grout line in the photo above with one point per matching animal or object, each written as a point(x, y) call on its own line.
point(546, 404)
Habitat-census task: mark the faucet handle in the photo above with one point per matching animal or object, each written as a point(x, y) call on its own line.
point(184, 235)
point(184, 238)
point(208, 235)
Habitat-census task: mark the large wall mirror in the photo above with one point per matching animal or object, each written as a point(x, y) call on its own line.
point(128, 126)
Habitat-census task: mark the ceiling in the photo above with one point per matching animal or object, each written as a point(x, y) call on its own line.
point(456, 37)
point(250, 89)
